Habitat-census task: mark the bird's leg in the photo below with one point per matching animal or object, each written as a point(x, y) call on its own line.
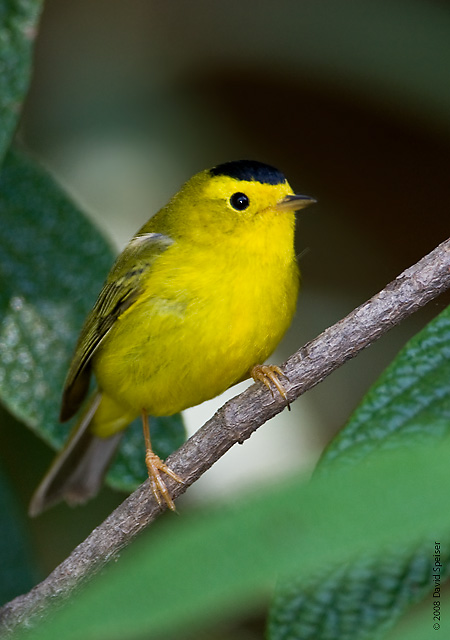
point(270, 373)
point(155, 465)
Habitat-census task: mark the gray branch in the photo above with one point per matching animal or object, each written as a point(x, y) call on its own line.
point(235, 422)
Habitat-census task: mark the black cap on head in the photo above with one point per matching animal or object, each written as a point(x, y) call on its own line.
point(249, 170)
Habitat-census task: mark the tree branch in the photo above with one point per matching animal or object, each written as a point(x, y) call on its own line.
point(235, 422)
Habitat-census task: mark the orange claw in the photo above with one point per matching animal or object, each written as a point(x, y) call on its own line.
point(267, 374)
point(154, 466)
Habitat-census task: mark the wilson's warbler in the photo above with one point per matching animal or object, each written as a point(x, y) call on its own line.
point(197, 300)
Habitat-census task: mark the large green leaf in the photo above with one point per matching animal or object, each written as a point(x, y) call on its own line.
point(410, 403)
point(361, 599)
point(18, 27)
point(52, 264)
point(17, 571)
point(425, 626)
point(226, 559)
point(410, 400)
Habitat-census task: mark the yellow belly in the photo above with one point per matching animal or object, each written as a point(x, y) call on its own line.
point(197, 330)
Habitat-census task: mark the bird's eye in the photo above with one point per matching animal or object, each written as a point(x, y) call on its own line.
point(239, 201)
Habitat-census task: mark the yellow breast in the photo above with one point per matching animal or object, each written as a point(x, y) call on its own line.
point(205, 318)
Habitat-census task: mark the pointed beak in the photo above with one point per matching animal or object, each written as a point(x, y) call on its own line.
point(294, 203)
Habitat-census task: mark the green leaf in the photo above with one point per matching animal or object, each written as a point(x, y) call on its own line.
point(17, 571)
point(52, 264)
point(361, 599)
point(423, 626)
point(409, 404)
point(18, 27)
point(213, 563)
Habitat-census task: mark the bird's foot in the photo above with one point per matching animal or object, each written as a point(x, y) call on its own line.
point(155, 467)
point(270, 374)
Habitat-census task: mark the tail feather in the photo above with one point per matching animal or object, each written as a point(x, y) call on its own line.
point(77, 472)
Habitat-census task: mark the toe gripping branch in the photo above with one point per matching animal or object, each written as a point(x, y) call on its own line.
point(269, 375)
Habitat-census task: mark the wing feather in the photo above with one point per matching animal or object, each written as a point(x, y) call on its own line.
point(120, 291)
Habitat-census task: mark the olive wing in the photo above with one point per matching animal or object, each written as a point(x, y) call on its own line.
point(121, 289)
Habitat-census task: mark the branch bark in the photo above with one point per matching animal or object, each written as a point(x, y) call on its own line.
point(235, 422)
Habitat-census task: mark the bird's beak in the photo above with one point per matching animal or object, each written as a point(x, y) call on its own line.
point(294, 203)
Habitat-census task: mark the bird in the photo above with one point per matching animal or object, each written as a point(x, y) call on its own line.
point(195, 303)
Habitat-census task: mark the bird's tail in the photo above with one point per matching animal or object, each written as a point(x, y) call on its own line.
point(77, 472)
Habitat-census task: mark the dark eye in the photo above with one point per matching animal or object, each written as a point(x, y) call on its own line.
point(239, 201)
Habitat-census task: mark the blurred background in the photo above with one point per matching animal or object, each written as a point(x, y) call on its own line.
point(351, 100)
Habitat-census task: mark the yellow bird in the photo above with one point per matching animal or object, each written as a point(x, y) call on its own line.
point(195, 303)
